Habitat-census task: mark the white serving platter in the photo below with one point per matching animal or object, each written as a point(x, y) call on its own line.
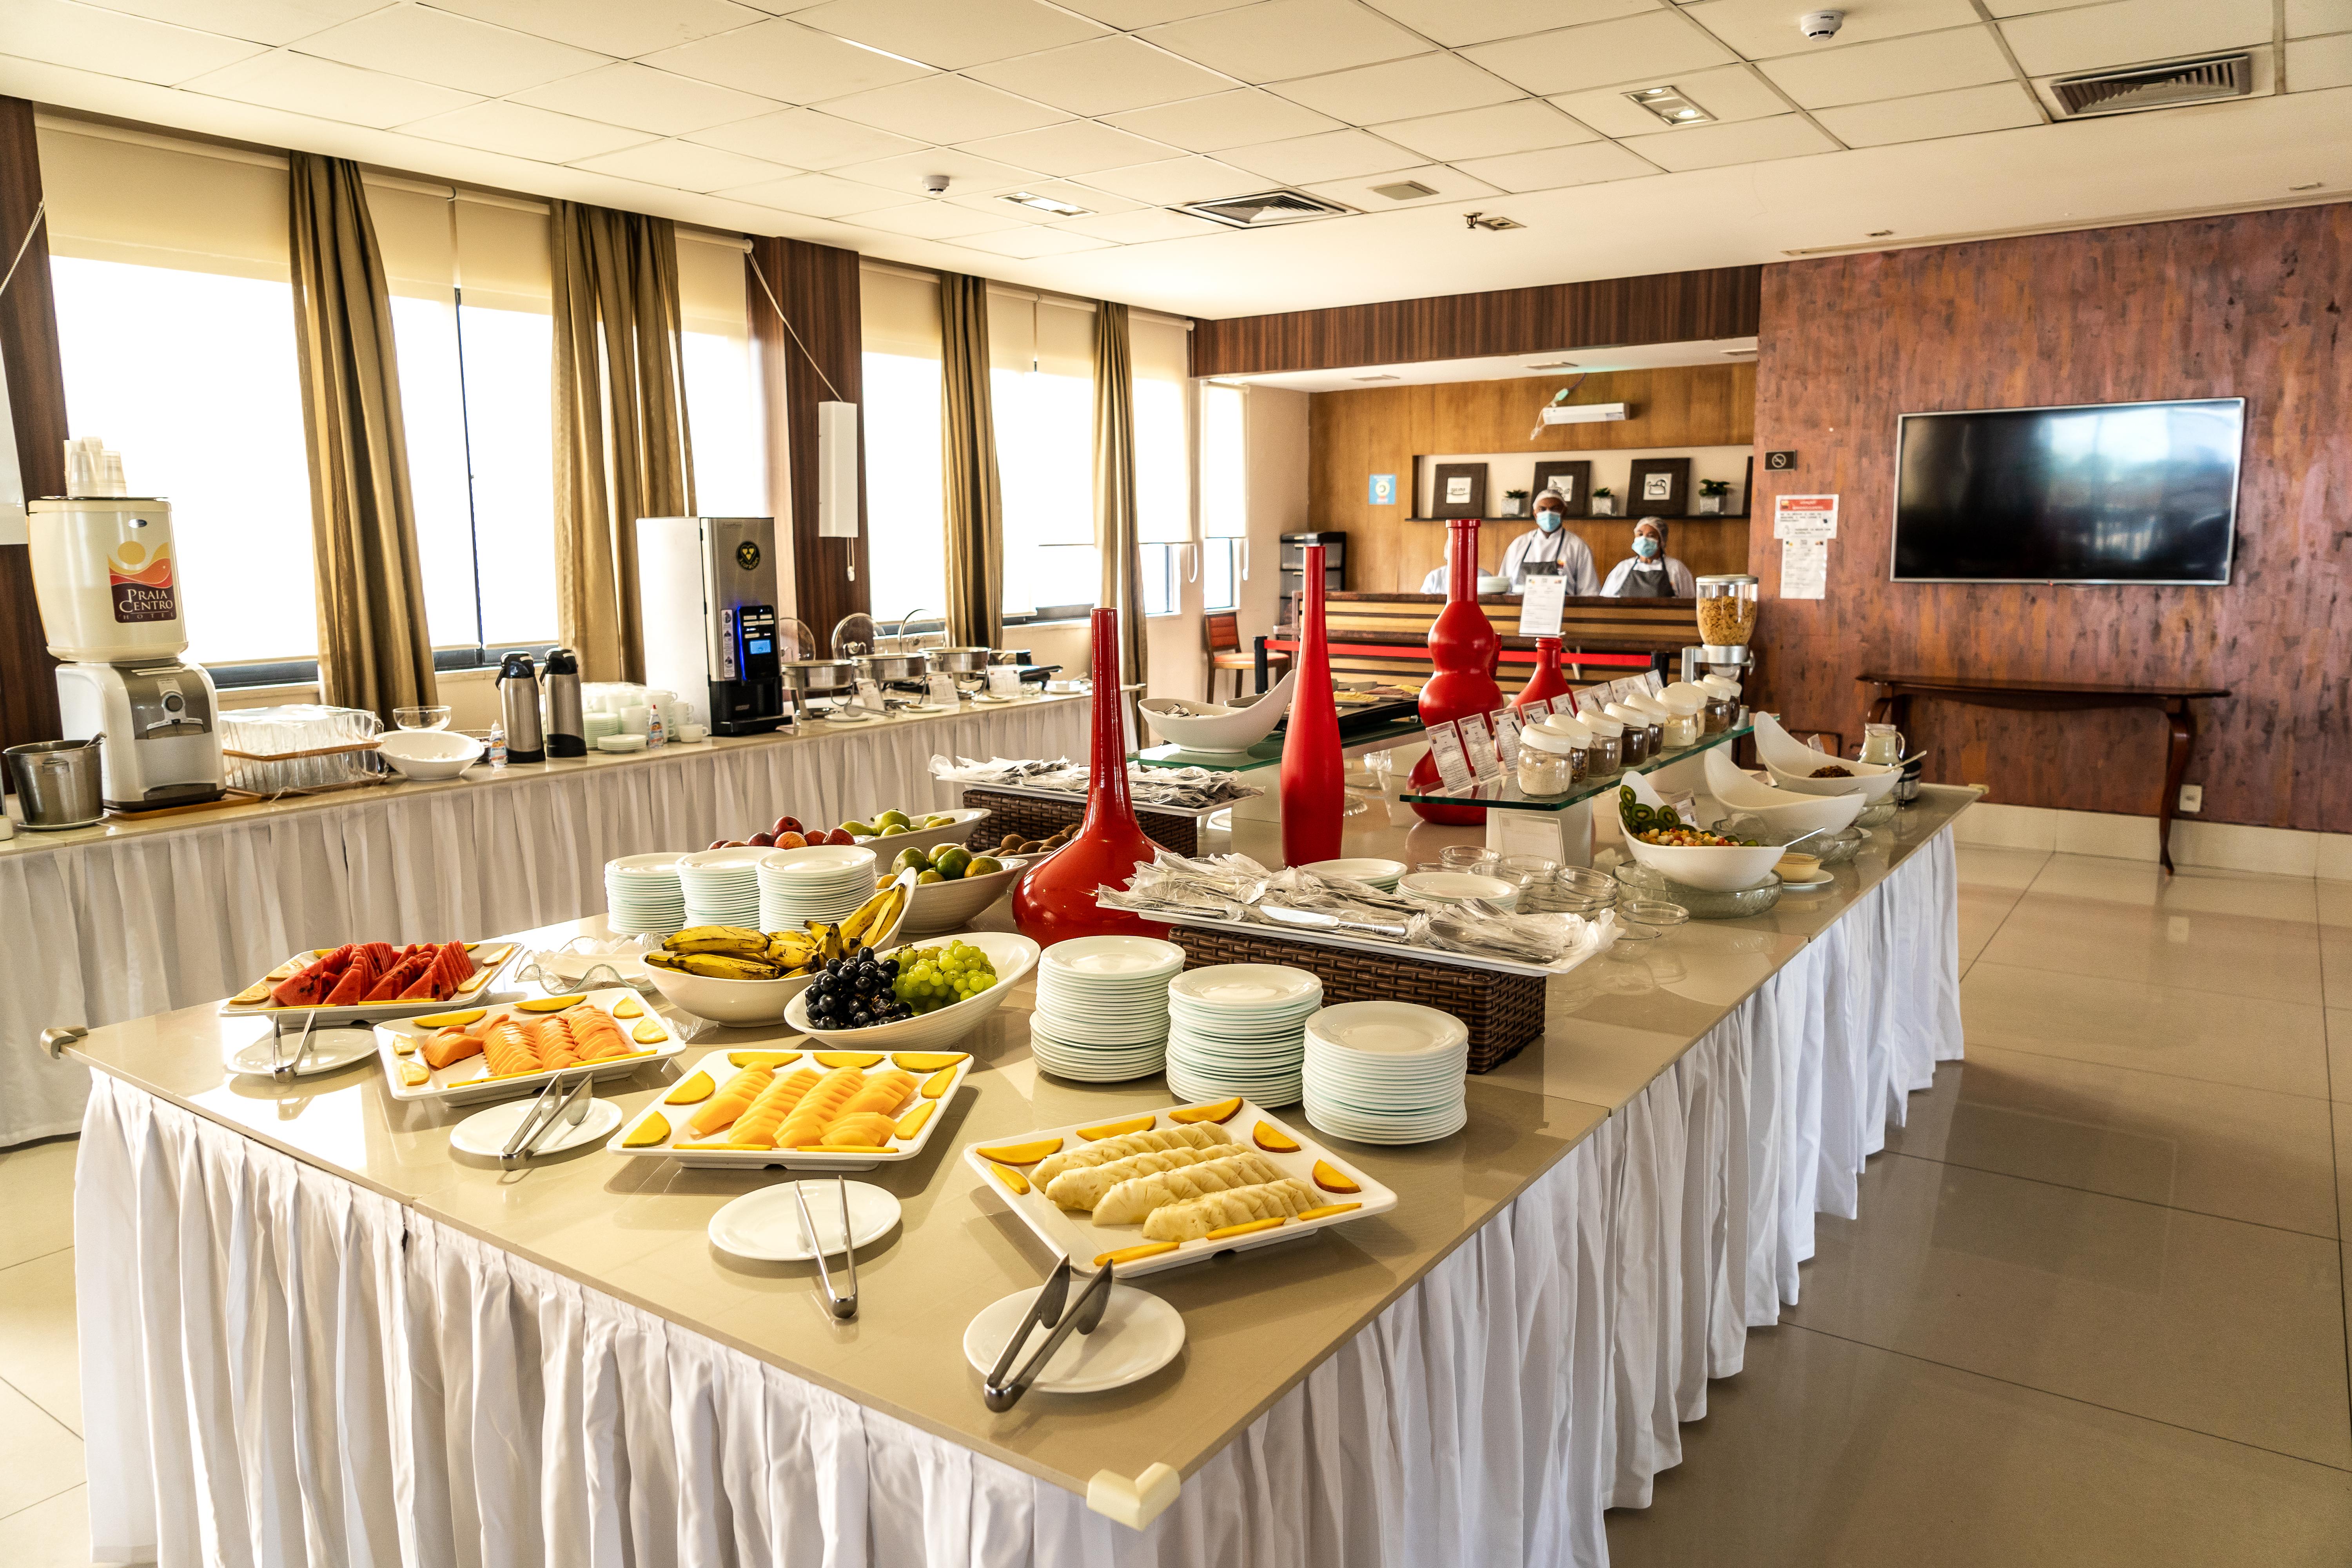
point(1077, 1238)
point(492, 957)
point(798, 1051)
point(467, 1081)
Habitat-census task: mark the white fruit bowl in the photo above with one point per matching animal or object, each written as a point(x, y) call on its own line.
point(1792, 764)
point(1790, 812)
point(745, 1001)
point(429, 753)
point(1710, 868)
point(967, 822)
point(935, 907)
point(1012, 956)
point(1206, 727)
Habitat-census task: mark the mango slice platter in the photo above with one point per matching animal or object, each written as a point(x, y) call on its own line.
point(817, 1110)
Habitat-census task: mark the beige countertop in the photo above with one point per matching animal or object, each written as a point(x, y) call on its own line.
point(1256, 1323)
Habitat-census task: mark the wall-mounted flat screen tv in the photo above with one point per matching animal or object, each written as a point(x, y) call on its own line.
point(2099, 493)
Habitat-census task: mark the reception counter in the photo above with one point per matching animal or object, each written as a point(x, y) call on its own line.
point(1384, 637)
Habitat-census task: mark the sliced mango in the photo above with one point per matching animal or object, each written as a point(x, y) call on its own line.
point(416, 1075)
point(650, 1032)
point(1133, 1254)
point(1223, 1231)
point(548, 1004)
point(1119, 1128)
point(831, 1059)
point(1273, 1138)
point(1332, 1179)
point(692, 1090)
point(653, 1130)
point(405, 1044)
point(1013, 1180)
point(912, 1122)
point(1218, 1110)
point(769, 1059)
point(452, 1020)
point(1327, 1211)
point(937, 1084)
point(1027, 1153)
point(628, 1007)
point(926, 1062)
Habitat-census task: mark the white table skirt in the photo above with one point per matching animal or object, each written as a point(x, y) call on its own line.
point(100, 933)
point(279, 1368)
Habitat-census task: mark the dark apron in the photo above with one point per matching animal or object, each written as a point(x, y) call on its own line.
point(1641, 585)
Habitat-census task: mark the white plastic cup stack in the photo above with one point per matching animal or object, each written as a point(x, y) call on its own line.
point(1102, 1007)
point(1387, 1072)
point(643, 895)
point(722, 887)
point(1239, 1028)
point(824, 882)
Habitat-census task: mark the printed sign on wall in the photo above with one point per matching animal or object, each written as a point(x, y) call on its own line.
point(1382, 491)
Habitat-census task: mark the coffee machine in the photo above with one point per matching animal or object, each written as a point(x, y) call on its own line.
point(707, 595)
point(106, 581)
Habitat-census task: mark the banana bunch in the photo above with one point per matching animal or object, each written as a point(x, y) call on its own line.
point(739, 953)
point(875, 915)
point(733, 942)
point(715, 965)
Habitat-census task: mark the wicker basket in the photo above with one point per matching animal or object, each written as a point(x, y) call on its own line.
point(1504, 1011)
point(1033, 817)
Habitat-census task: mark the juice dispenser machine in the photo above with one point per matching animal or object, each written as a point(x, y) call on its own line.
point(707, 592)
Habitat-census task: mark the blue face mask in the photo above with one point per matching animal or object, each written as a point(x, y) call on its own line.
point(1548, 521)
point(1645, 547)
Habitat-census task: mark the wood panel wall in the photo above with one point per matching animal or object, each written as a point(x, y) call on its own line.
point(2249, 306)
point(1379, 430)
point(822, 579)
point(36, 404)
point(1662, 308)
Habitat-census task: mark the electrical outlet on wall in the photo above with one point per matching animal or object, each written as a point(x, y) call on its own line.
point(2193, 799)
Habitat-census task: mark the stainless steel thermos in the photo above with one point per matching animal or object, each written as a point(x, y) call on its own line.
point(567, 735)
point(518, 708)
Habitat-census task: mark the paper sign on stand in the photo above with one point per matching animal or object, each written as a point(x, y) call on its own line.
point(1540, 606)
point(869, 697)
point(1479, 746)
point(1453, 763)
point(1505, 722)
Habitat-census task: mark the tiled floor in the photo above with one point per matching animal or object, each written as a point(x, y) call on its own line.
point(2092, 1311)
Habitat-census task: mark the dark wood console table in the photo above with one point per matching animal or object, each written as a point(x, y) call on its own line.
point(1891, 697)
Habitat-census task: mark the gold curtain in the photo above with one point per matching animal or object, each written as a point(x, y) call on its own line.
point(975, 503)
point(374, 649)
point(622, 448)
point(1115, 526)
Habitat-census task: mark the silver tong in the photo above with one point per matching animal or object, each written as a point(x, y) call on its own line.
point(551, 1106)
point(1045, 1312)
point(845, 1307)
point(285, 1069)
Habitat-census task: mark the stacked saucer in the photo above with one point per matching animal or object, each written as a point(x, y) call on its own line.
point(823, 882)
point(1102, 1007)
point(1239, 1028)
point(642, 895)
point(1386, 1072)
point(1380, 874)
point(722, 887)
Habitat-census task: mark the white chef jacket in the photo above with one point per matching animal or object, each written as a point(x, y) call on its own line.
point(1575, 558)
point(1683, 584)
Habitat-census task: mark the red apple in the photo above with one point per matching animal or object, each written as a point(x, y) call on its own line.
point(838, 837)
point(717, 844)
point(785, 824)
point(764, 840)
point(790, 841)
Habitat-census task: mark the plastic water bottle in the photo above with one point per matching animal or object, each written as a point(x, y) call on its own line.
point(654, 734)
point(497, 744)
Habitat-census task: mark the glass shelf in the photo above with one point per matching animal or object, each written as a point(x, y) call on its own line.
point(1504, 795)
point(1267, 752)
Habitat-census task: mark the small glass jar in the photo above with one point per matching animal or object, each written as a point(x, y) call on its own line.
point(1681, 726)
point(1543, 772)
point(1726, 611)
point(1606, 756)
point(1719, 713)
point(1634, 734)
point(1653, 715)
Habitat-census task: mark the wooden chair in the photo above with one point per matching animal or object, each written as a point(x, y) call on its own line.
point(1221, 639)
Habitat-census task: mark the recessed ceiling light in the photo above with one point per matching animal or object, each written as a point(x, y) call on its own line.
point(1669, 105)
point(1405, 191)
point(1045, 204)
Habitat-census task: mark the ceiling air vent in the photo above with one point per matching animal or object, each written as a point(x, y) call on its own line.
point(1264, 210)
point(2155, 87)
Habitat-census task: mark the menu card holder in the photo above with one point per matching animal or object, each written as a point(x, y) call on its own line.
point(1479, 746)
point(1505, 720)
point(1445, 750)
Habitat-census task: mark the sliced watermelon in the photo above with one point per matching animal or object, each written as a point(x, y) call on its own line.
point(308, 988)
point(422, 988)
point(385, 955)
point(359, 977)
point(460, 968)
point(391, 987)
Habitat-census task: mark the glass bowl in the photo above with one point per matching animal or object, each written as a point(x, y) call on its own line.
point(420, 717)
point(1878, 813)
point(1649, 920)
point(1641, 883)
point(1468, 858)
point(1837, 848)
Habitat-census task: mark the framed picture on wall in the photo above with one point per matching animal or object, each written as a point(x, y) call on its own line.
point(1660, 487)
point(1572, 478)
point(1458, 490)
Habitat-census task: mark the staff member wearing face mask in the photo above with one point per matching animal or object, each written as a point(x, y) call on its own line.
point(1650, 572)
point(1551, 541)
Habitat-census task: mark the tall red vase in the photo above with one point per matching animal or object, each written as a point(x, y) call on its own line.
point(1055, 900)
point(1547, 681)
point(1463, 647)
point(1314, 794)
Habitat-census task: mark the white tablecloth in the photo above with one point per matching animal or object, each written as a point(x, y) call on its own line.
point(278, 1368)
point(100, 933)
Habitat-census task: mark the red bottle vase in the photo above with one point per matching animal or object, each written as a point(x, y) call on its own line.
point(1463, 647)
point(1054, 899)
point(1547, 682)
point(1314, 794)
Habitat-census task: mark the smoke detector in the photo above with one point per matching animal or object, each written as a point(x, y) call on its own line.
point(1264, 210)
point(1494, 225)
point(2202, 81)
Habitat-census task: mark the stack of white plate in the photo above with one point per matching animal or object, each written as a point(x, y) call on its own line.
point(1386, 1072)
point(1380, 874)
point(1102, 1007)
point(823, 882)
point(642, 895)
point(1239, 1028)
point(722, 886)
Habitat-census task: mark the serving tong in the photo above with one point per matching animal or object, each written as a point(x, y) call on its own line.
point(1045, 1312)
point(280, 1069)
point(845, 1307)
point(555, 1103)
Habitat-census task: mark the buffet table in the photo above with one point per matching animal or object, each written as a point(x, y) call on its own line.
point(132, 918)
point(310, 1329)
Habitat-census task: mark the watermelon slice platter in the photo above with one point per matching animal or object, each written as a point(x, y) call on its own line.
point(366, 980)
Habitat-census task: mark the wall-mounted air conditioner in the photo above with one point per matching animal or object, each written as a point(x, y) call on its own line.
point(1585, 413)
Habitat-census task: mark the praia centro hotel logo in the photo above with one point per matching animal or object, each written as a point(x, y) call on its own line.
point(141, 583)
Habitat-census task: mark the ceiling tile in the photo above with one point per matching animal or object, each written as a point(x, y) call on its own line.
point(1142, 226)
point(2128, 31)
point(328, 90)
point(950, 33)
point(1747, 142)
point(1486, 132)
point(685, 166)
point(1963, 112)
point(815, 195)
point(1224, 120)
point(1029, 242)
point(1001, 211)
point(783, 59)
point(1897, 68)
point(1454, 21)
point(1727, 92)
point(1761, 28)
point(1133, 14)
point(931, 220)
point(2310, 18)
point(644, 99)
point(453, 51)
point(905, 173)
point(626, 28)
point(2319, 62)
point(1429, 84)
point(1277, 39)
point(806, 139)
point(521, 131)
point(1102, 75)
point(1584, 165)
point(2021, 7)
point(1655, 43)
point(1333, 155)
point(90, 39)
point(1445, 186)
point(1172, 181)
point(944, 109)
point(257, 21)
point(1073, 147)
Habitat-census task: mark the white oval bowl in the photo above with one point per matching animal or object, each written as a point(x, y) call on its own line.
point(1870, 787)
point(429, 753)
point(1714, 868)
point(1221, 729)
point(1011, 955)
point(967, 822)
point(741, 1001)
point(940, 907)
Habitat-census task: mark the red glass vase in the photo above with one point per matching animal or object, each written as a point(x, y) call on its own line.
point(1054, 899)
point(1314, 797)
point(1463, 647)
point(1547, 682)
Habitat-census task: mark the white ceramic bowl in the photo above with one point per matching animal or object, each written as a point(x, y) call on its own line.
point(1012, 956)
point(1790, 812)
point(742, 1001)
point(429, 753)
point(967, 822)
point(1870, 787)
point(1712, 869)
point(1210, 727)
point(935, 907)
